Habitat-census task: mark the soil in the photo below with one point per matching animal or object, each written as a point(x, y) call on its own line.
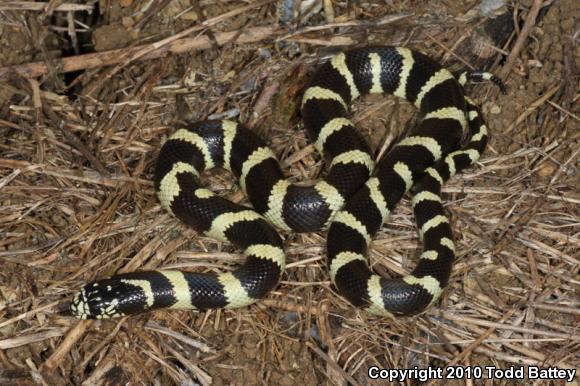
point(77, 204)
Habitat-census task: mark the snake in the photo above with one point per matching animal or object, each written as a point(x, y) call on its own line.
point(351, 203)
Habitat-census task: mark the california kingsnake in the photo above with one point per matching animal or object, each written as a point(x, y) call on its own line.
point(355, 204)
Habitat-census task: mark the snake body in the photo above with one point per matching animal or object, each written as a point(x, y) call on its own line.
point(353, 201)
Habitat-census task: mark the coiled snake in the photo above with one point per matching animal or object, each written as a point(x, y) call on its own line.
point(352, 202)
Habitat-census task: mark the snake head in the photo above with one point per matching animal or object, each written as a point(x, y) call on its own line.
point(103, 300)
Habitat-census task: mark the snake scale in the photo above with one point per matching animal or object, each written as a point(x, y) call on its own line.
point(352, 202)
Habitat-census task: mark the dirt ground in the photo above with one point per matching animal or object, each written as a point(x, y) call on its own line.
point(78, 142)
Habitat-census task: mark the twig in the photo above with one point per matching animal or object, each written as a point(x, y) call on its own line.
point(100, 372)
point(537, 103)
point(23, 340)
point(74, 141)
point(332, 363)
point(354, 23)
point(450, 52)
point(72, 336)
point(108, 58)
point(293, 307)
point(72, 32)
point(28, 314)
point(501, 326)
point(35, 6)
point(88, 176)
point(155, 8)
point(181, 337)
point(129, 57)
point(204, 378)
point(102, 343)
point(569, 113)
point(521, 40)
point(551, 307)
point(475, 344)
point(201, 16)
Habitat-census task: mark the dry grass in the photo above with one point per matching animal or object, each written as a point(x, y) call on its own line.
point(77, 202)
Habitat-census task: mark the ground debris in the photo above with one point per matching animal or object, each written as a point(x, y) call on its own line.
point(89, 93)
